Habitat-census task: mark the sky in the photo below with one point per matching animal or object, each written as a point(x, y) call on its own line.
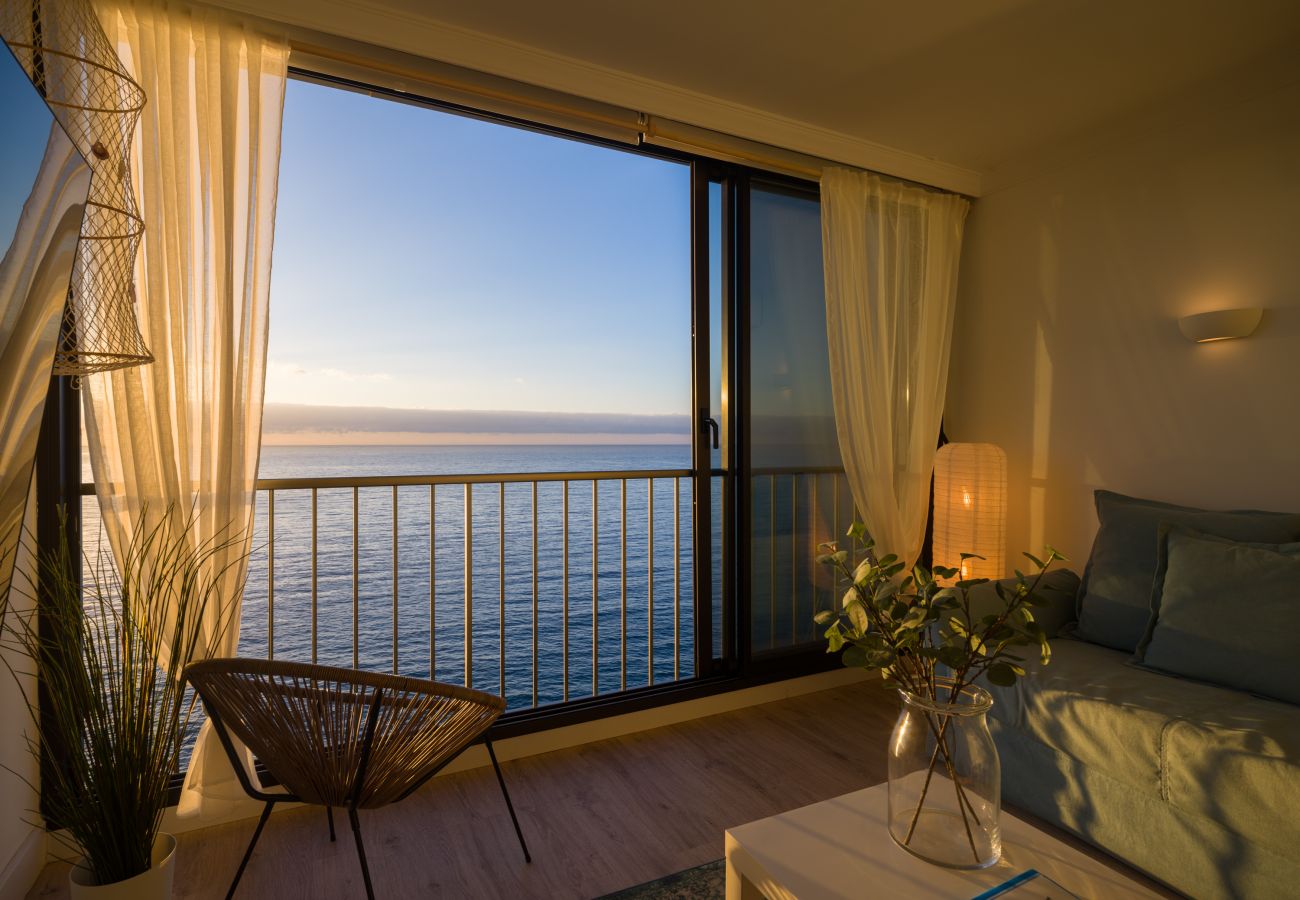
point(430, 261)
point(27, 130)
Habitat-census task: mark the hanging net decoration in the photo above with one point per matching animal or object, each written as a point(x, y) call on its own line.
point(63, 49)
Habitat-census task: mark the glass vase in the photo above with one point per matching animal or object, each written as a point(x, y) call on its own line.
point(945, 782)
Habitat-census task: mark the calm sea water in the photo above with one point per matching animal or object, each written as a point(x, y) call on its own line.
point(409, 575)
point(388, 590)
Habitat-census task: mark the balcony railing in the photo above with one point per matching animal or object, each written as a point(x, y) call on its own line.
point(543, 587)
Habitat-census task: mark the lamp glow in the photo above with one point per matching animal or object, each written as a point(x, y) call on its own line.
point(970, 504)
point(1220, 325)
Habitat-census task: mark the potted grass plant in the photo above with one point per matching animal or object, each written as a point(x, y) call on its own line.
point(114, 710)
point(934, 637)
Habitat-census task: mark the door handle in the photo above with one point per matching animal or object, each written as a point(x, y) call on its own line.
point(713, 430)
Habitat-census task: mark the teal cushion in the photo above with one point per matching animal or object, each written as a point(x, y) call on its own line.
point(1115, 597)
point(1229, 614)
point(1162, 567)
point(1057, 589)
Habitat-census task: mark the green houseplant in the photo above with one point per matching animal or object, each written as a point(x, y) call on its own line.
point(114, 709)
point(932, 641)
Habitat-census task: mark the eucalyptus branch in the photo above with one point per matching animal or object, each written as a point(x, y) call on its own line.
point(907, 625)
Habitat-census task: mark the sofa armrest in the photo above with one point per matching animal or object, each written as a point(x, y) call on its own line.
point(1059, 588)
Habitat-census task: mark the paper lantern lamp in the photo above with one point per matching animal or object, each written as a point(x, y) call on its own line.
point(970, 509)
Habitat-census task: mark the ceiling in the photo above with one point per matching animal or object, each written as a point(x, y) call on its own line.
point(973, 84)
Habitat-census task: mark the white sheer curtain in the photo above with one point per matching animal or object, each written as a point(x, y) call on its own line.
point(890, 253)
point(184, 433)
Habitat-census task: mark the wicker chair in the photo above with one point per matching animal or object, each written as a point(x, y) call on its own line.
point(341, 737)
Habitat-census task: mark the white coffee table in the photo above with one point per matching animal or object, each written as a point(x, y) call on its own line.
point(841, 848)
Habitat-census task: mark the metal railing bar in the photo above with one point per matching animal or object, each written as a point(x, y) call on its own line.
point(469, 585)
point(794, 559)
point(564, 613)
point(356, 578)
point(313, 575)
point(595, 587)
point(433, 582)
point(792, 470)
point(395, 545)
point(622, 589)
point(285, 484)
point(270, 575)
point(501, 581)
point(650, 580)
point(677, 578)
point(325, 483)
point(835, 536)
point(534, 593)
point(811, 547)
point(771, 562)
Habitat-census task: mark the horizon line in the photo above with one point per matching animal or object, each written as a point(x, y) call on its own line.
point(468, 438)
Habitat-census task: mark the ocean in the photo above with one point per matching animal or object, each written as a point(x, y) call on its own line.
point(659, 644)
point(386, 625)
point(377, 639)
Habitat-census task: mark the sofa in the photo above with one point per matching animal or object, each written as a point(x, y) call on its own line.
point(1188, 779)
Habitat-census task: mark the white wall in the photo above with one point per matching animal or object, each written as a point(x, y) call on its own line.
point(1068, 353)
point(22, 847)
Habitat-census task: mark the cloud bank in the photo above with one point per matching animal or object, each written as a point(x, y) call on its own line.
point(295, 423)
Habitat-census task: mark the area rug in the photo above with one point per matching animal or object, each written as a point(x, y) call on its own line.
point(706, 882)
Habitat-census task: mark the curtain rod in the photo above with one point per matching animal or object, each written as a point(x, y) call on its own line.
point(646, 127)
point(468, 87)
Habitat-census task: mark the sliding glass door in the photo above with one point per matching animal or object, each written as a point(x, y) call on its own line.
point(776, 483)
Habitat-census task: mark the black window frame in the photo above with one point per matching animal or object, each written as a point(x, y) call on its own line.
point(59, 457)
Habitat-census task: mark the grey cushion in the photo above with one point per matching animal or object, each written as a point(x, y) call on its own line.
point(1162, 567)
point(1058, 590)
point(1229, 614)
point(1115, 598)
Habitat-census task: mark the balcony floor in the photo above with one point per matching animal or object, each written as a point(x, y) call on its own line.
point(598, 818)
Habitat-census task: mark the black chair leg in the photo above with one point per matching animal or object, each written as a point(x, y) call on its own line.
point(510, 806)
point(329, 811)
point(361, 851)
point(248, 854)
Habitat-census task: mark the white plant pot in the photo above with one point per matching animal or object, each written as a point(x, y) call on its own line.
point(156, 884)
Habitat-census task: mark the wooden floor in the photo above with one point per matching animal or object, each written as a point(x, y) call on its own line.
point(597, 818)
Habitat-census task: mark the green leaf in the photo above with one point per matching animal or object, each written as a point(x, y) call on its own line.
point(834, 638)
point(858, 617)
point(824, 616)
point(1001, 674)
point(855, 657)
point(966, 556)
point(1053, 553)
point(916, 617)
point(1035, 560)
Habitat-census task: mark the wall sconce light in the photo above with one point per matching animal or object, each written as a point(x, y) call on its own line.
point(970, 509)
point(1220, 325)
